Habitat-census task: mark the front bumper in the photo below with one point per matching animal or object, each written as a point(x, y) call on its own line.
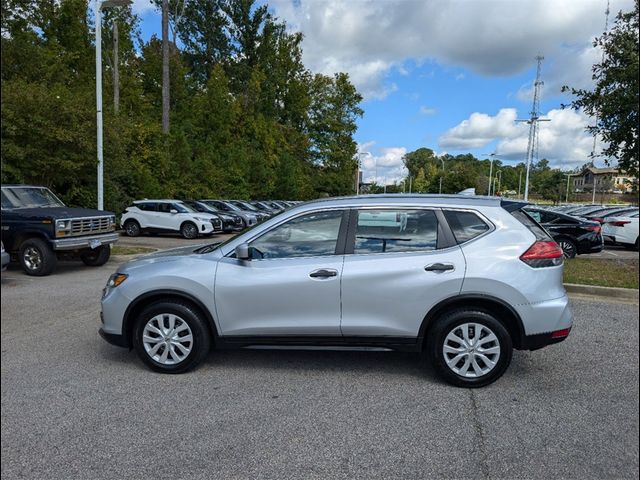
point(113, 339)
point(74, 243)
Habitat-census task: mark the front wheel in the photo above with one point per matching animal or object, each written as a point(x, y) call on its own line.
point(189, 230)
point(171, 337)
point(96, 257)
point(37, 258)
point(469, 348)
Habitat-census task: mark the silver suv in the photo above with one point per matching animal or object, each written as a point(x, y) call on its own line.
point(463, 279)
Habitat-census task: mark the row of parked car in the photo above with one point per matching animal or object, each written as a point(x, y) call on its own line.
point(193, 218)
point(582, 229)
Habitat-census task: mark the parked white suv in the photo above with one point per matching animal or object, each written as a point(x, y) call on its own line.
point(168, 216)
point(463, 279)
point(622, 230)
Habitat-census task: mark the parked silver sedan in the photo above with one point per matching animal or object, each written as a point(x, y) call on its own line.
point(465, 279)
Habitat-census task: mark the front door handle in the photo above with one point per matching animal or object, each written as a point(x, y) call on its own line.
point(323, 273)
point(439, 267)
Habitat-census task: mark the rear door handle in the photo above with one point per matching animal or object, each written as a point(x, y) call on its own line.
point(323, 273)
point(439, 267)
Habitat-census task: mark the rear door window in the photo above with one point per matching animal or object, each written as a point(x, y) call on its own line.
point(465, 225)
point(388, 231)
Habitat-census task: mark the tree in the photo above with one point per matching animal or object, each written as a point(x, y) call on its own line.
point(614, 101)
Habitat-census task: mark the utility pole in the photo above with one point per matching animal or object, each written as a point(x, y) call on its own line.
point(116, 69)
point(442, 160)
point(519, 181)
point(409, 183)
point(532, 144)
point(165, 66)
point(566, 199)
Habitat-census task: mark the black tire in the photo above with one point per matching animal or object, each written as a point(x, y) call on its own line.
point(452, 321)
point(189, 230)
point(37, 258)
point(200, 345)
point(132, 228)
point(96, 257)
point(569, 248)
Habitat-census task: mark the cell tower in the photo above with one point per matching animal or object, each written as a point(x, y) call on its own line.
point(532, 145)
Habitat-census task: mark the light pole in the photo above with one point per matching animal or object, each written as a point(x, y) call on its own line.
point(499, 172)
point(519, 182)
point(442, 160)
point(365, 153)
point(566, 199)
point(98, 5)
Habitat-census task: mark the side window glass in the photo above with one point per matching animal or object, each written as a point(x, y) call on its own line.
point(387, 231)
point(164, 207)
point(535, 215)
point(468, 225)
point(147, 207)
point(315, 234)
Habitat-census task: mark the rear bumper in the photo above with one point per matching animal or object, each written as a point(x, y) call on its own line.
point(541, 340)
point(73, 243)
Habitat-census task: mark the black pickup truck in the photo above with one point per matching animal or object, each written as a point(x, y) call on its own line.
point(38, 229)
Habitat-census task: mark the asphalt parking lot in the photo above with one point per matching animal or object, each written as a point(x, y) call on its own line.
point(75, 407)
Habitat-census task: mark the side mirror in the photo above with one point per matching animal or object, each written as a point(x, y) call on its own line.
point(173, 211)
point(243, 252)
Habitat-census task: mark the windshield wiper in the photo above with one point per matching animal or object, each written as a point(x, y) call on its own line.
point(207, 248)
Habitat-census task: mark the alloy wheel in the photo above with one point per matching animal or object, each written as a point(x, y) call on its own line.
point(167, 339)
point(32, 258)
point(568, 250)
point(471, 350)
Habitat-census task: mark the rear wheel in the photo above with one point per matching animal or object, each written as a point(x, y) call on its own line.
point(37, 258)
point(569, 248)
point(171, 337)
point(469, 348)
point(96, 257)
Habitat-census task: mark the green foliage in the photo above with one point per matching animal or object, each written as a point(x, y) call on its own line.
point(248, 119)
point(615, 99)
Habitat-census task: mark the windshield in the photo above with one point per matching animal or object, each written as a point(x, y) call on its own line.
point(244, 206)
point(184, 208)
point(29, 197)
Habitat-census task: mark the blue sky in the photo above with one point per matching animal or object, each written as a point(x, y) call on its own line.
point(451, 75)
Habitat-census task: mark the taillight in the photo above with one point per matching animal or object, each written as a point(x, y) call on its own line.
point(597, 219)
point(593, 228)
point(561, 333)
point(620, 223)
point(543, 253)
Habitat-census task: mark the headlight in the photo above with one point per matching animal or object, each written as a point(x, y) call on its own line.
point(202, 219)
point(63, 227)
point(116, 279)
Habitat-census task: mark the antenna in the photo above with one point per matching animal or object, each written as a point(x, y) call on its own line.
point(532, 144)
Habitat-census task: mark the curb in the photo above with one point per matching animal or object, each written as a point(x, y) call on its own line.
point(608, 292)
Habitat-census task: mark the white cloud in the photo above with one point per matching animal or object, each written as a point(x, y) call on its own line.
point(563, 140)
point(386, 166)
point(368, 38)
point(481, 129)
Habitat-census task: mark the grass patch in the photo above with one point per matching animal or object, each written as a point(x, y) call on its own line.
point(126, 250)
point(602, 272)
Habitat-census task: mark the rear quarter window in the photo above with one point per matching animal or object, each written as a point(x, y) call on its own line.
point(533, 226)
point(465, 225)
